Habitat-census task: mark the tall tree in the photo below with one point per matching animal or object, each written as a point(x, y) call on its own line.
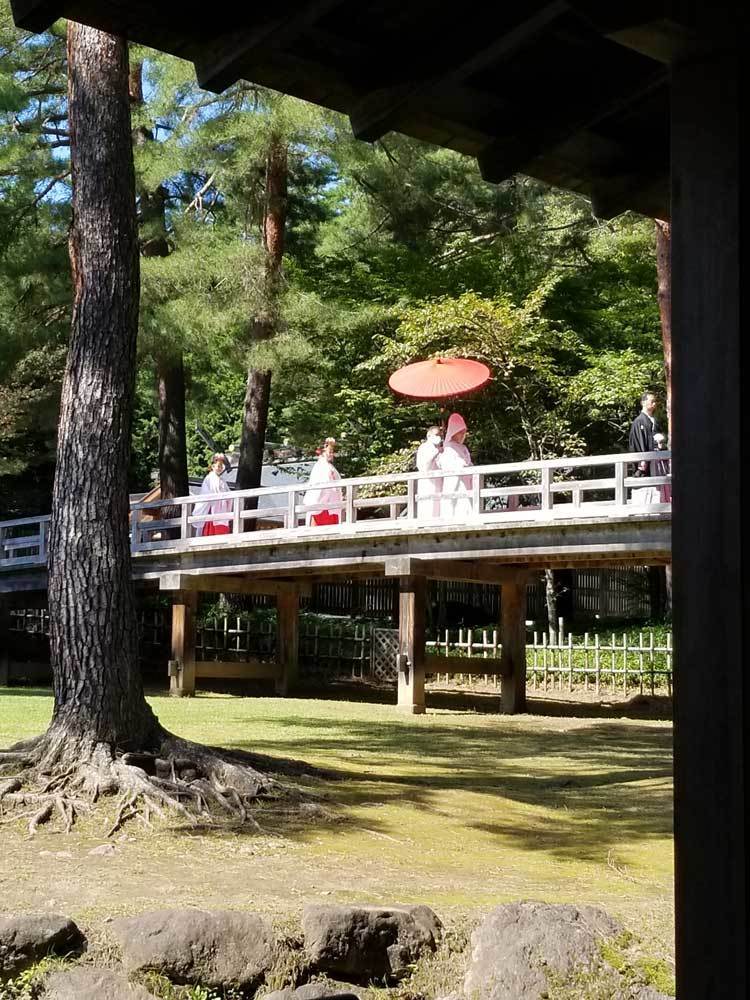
point(664, 296)
point(169, 362)
point(265, 323)
point(103, 736)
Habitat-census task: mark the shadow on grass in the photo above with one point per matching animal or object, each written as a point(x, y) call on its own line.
point(581, 791)
point(26, 692)
point(571, 788)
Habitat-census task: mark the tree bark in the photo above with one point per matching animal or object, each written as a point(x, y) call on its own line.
point(93, 626)
point(664, 295)
point(254, 422)
point(173, 473)
point(265, 323)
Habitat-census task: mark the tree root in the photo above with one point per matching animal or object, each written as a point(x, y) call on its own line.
point(57, 778)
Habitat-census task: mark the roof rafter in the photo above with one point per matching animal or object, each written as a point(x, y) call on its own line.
point(378, 111)
point(226, 57)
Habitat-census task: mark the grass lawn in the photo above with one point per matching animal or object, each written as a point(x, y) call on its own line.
point(455, 809)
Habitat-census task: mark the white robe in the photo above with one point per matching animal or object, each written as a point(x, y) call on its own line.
point(323, 495)
point(210, 485)
point(456, 502)
point(428, 490)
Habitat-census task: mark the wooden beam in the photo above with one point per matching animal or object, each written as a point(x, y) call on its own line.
point(36, 15)
point(513, 653)
point(287, 642)
point(182, 677)
point(254, 670)
point(230, 583)
point(378, 112)
point(411, 640)
point(572, 113)
point(4, 641)
point(711, 529)
point(227, 57)
point(459, 570)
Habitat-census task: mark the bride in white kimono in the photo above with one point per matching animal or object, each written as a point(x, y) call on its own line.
point(323, 494)
point(211, 485)
point(456, 501)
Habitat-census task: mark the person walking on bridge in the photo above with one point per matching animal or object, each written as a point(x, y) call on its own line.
point(429, 490)
point(322, 475)
point(641, 438)
point(213, 484)
point(642, 431)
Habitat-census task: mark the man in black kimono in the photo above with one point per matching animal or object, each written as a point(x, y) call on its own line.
point(642, 431)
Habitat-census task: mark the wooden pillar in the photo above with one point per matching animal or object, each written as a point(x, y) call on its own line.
point(182, 663)
point(513, 653)
point(287, 641)
point(710, 527)
point(411, 643)
point(4, 642)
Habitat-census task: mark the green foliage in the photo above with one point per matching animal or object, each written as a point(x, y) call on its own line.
point(162, 988)
point(622, 970)
point(395, 252)
point(29, 984)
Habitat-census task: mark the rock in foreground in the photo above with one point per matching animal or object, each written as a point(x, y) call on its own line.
point(215, 949)
point(26, 938)
point(368, 942)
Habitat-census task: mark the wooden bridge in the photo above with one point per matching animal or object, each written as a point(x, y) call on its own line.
point(512, 519)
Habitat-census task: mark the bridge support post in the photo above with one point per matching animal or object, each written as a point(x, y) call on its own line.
point(513, 653)
point(182, 667)
point(4, 642)
point(287, 641)
point(411, 643)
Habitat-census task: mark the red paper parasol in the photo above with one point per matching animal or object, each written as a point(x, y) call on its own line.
point(439, 378)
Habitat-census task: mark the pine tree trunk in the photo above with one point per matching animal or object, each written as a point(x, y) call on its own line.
point(93, 626)
point(254, 421)
point(664, 294)
point(173, 472)
point(265, 324)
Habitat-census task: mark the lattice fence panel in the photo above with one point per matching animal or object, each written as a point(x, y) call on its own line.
point(384, 651)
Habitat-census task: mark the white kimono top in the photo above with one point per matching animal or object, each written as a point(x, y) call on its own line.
point(213, 484)
point(322, 474)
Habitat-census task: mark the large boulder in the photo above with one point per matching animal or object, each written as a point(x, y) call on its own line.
point(28, 937)
point(314, 991)
point(88, 983)
point(215, 949)
point(368, 942)
point(518, 944)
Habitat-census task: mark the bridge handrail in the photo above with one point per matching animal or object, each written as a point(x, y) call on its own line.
point(577, 462)
point(158, 533)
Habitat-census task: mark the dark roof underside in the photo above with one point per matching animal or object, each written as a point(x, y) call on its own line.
point(574, 93)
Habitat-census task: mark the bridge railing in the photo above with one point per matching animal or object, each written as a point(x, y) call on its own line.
point(597, 486)
point(23, 542)
point(582, 486)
